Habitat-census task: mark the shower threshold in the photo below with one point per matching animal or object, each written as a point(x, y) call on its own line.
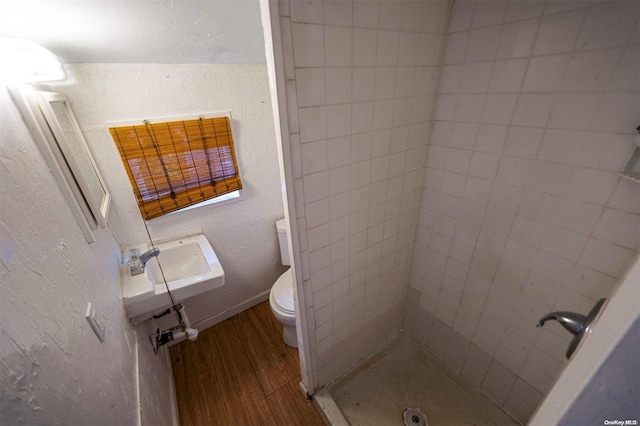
point(400, 375)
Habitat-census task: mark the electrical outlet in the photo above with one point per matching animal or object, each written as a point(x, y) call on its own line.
point(96, 324)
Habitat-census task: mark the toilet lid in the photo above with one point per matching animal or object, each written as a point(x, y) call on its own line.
point(282, 292)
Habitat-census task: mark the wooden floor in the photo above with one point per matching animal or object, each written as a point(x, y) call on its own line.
point(240, 372)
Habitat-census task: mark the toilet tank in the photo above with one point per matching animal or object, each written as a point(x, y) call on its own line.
point(281, 226)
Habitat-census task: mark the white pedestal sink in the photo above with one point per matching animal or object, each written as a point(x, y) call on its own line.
point(188, 265)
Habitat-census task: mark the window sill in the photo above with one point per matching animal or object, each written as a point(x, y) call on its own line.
point(222, 200)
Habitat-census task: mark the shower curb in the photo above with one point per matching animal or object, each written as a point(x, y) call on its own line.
point(328, 408)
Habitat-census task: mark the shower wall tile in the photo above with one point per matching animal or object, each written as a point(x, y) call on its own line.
point(309, 12)
point(523, 211)
point(576, 111)
point(488, 13)
point(461, 16)
point(311, 86)
point(455, 352)
point(498, 382)
point(361, 78)
point(484, 338)
point(561, 6)
point(608, 26)
point(284, 7)
point(498, 108)
point(614, 112)
point(540, 381)
point(603, 151)
point(525, 391)
point(605, 257)
point(308, 45)
point(292, 108)
point(337, 13)
point(507, 75)
point(482, 44)
point(438, 337)
point(517, 407)
point(624, 198)
point(516, 39)
point(613, 227)
point(287, 47)
point(520, 10)
point(591, 70)
point(546, 73)
point(476, 365)
point(558, 33)
point(627, 67)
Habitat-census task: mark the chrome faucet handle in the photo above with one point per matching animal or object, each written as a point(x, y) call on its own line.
point(138, 261)
point(136, 267)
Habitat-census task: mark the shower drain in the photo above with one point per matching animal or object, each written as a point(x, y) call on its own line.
point(414, 417)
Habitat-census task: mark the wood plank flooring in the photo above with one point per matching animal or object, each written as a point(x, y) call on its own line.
point(240, 372)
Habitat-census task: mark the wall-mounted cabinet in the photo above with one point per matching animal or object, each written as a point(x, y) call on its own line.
point(54, 127)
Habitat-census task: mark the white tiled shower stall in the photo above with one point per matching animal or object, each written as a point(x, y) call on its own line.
point(455, 170)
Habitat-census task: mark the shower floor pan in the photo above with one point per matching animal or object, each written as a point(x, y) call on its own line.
point(402, 375)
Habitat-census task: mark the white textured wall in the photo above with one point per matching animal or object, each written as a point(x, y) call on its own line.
point(53, 369)
point(243, 233)
point(360, 82)
point(523, 211)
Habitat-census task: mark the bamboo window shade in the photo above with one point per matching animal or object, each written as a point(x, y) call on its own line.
point(177, 164)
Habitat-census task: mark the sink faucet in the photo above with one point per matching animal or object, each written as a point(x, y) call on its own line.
point(138, 261)
point(569, 320)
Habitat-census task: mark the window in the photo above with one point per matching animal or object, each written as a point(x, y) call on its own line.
point(177, 164)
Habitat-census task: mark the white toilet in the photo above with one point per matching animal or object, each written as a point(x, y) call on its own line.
point(281, 295)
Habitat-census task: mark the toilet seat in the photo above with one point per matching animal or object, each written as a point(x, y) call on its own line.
point(282, 294)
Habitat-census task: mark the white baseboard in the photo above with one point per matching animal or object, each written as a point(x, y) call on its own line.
point(175, 415)
point(136, 378)
point(228, 313)
point(170, 384)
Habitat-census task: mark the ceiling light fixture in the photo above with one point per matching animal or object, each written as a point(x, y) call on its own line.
point(27, 62)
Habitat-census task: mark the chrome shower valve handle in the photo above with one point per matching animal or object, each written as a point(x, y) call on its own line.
point(571, 321)
point(576, 324)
